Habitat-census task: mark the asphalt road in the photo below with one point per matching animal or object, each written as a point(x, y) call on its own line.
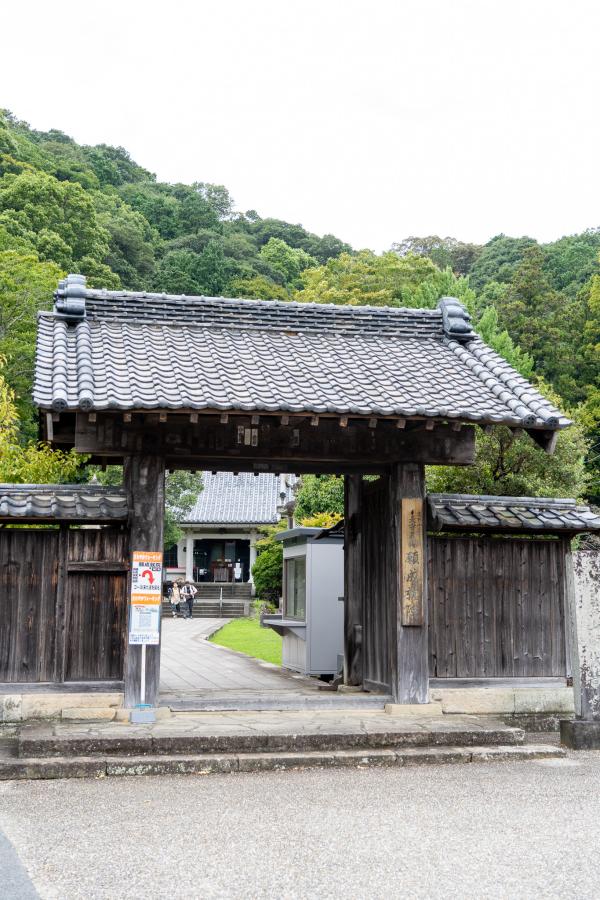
point(509, 830)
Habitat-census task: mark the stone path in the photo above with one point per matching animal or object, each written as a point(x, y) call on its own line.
point(191, 666)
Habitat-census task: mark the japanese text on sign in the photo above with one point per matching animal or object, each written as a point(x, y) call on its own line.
point(146, 597)
point(412, 561)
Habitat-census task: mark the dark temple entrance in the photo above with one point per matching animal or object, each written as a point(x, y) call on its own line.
point(215, 560)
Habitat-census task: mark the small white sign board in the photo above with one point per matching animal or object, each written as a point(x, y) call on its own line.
point(146, 597)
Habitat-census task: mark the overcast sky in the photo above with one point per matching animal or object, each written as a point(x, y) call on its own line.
point(372, 120)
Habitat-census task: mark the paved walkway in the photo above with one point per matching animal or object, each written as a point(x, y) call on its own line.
point(192, 666)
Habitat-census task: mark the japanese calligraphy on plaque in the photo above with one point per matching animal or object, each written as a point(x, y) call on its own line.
point(413, 558)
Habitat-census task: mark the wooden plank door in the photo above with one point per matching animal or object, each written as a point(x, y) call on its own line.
point(96, 605)
point(28, 585)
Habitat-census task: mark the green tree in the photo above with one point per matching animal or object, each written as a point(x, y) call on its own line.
point(257, 287)
point(515, 466)
point(194, 210)
point(114, 166)
point(186, 272)
point(44, 204)
point(181, 492)
point(498, 260)
point(30, 463)
point(366, 279)
point(319, 494)
point(286, 260)
point(132, 241)
point(26, 286)
point(295, 236)
point(267, 571)
point(444, 252)
point(156, 203)
point(591, 377)
point(544, 323)
point(218, 198)
point(572, 260)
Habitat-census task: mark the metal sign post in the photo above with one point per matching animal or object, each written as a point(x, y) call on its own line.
point(144, 616)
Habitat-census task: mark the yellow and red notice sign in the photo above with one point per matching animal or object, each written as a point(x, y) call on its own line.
point(146, 597)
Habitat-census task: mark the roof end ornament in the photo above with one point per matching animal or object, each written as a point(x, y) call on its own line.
point(69, 299)
point(456, 320)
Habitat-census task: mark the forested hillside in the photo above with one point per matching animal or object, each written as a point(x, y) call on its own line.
point(66, 207)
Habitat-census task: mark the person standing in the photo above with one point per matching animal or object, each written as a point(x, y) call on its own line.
point(176, 599)
point(189, 592)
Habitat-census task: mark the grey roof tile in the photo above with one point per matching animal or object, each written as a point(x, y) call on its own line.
point(229, 499)
point(56, 502)
point(120, 350)
point(465, 512)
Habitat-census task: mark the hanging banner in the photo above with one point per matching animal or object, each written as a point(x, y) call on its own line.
point(146, 597)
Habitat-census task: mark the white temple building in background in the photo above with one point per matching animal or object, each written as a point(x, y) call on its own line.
point(221, 530)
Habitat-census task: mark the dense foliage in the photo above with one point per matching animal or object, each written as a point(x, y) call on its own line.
point(66, 207)
point(267, 571)
point(29, 462)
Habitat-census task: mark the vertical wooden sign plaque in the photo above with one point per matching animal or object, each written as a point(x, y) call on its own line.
point(413, 560)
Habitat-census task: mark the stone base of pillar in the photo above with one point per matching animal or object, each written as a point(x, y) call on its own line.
point(580, 734)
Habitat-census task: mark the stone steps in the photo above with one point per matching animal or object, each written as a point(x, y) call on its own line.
point(208, 609)
point(256, 701)
point(180, 738)
point(201, 764)
point(211, 591)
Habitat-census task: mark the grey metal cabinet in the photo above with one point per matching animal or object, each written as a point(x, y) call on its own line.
point(312, 619)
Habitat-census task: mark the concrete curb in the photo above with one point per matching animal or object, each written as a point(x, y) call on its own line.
point(205, 764)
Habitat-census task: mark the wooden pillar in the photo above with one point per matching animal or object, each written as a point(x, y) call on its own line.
point(408, 614)
point(583, 608)
point(144, 479)
point(353, 581)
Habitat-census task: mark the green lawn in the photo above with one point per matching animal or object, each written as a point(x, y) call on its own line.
point(246, 636)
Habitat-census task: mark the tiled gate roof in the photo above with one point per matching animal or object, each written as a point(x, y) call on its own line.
point(102, 350)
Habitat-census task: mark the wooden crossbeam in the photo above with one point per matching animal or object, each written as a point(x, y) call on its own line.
point(355, 444)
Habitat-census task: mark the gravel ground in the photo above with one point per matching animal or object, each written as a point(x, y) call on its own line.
point(498, 830)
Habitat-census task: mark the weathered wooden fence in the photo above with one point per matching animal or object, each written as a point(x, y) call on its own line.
point(63, 604)
point(496, 607)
